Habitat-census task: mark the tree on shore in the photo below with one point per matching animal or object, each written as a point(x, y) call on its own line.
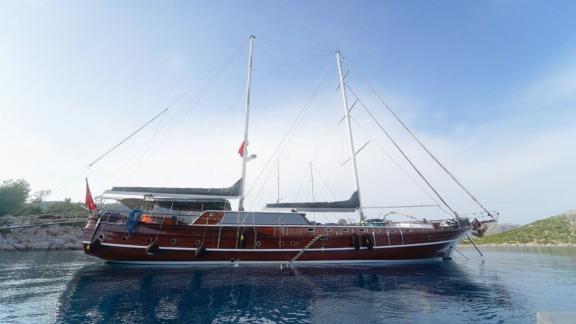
point(16, 199)
point(64, 206)
point(13, 195)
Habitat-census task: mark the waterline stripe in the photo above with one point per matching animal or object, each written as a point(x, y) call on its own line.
point(437, 259)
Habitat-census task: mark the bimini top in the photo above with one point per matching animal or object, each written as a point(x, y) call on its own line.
point(349, 205)
point(172, 194)
point(175, 198)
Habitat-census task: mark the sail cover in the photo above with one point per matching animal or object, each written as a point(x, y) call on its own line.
point(163, 193)
point(349, 205)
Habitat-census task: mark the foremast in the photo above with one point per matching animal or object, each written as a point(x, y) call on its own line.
point(350, 137)
point(245, 143)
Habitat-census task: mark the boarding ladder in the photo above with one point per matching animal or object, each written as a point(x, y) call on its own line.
point(299, 254)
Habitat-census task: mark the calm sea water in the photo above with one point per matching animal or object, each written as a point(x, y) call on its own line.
point(511, 285)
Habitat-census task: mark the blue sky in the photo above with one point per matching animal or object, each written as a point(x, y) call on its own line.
point(490, 86)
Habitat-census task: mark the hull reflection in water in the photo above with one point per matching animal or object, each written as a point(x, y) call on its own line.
point(105, 293)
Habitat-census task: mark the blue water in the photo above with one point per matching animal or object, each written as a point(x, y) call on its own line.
point(510, 286)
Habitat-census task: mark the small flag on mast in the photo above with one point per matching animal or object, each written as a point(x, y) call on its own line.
point(89, 202)
point(241, 149)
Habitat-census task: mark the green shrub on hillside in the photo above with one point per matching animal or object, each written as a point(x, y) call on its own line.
point(559, 229)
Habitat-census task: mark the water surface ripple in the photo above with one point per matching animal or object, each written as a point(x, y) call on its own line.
point(511, 285)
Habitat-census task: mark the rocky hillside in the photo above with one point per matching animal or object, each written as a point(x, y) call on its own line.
point(555, 230)
point(501, 228)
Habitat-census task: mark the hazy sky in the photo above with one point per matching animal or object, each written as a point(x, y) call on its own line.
point(490, 86)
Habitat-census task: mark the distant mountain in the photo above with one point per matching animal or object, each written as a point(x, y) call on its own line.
point(560, 229)
point(500, 228)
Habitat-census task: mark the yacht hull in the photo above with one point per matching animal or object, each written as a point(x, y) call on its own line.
point(202, 244)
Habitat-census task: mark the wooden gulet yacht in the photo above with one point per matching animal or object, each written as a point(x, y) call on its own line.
point(197, 225)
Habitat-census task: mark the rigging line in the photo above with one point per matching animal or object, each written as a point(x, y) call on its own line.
point(301, 185)
point(205, 89)
point(166, 109)
point(30, 206)
point(127, 138)
point(292, 126)
point(285, 43)
point(324, 182)
point(144, 154)
point(426, 149)
point(404, 154)
point(257, 195)
point(406, 173)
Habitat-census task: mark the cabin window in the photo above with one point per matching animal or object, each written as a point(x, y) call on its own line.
point(125, 238)
point(293, 243)
point(198, 242)
point(258, 243)
point(281, 243)
point(328, 229)
point(344, 230)
point(361, 230)
point(149, 240)
point(173, 241)
point(101, 237)
point(310, 230)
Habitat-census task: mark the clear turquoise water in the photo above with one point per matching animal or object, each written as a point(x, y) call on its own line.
point(510, 286)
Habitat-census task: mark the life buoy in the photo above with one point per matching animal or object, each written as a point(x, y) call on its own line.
point(152, 248)
point(355, 241)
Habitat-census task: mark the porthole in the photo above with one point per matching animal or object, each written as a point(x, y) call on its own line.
point(149, 240)
point(328, 229)
point(198, 242)
point(344, 230)
point(101, 236)
point(258, 243)
point(281, 243)
point(361, 230)
point(125, 238)
point(293, 243)
point(310, 230)
point(173, 241)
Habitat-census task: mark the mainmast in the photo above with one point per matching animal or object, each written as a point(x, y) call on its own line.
point(350, 138)
point(245, 156)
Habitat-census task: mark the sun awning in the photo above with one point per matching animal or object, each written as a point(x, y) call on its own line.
point(350, 205)
point(171, 194)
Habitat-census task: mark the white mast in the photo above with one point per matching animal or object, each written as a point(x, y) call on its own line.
point(245, 156)
point(350, 138)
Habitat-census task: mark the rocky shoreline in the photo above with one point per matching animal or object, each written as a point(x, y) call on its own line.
point(52, 237)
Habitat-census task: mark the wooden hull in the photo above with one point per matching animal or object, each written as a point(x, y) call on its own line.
point(216, 244)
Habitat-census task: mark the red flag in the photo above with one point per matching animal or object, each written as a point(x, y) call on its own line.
point(241, 150)
point(89, 202)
